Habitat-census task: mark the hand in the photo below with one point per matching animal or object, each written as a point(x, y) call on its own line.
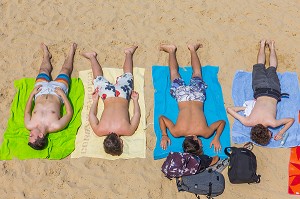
point(217, 145)
point(134, 95)
point(95, 95)
point(164, 142)
point(59, 91)
point(36, 90)
point(278, 136)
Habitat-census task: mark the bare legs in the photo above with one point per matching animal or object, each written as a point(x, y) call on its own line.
point(128, 63)
point(67, 67)
point(97, 69)
point(196, 65)
point(261, 57)
point(173, 64)
point(273, 56)
point(46, 66)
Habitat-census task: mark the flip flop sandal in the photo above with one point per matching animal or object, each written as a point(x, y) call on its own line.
point(223, 165)
point(220, 165)
point(249, 146)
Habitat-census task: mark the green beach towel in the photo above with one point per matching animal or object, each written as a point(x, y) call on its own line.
point(61, 144)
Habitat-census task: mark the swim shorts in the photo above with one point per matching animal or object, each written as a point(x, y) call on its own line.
point(265, 82)
point(195, 91)
point(122, 88)
point(48, 86)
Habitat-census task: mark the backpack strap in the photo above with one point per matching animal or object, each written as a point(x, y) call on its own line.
point(258, 179)
point(226, 150)
point(209, 189)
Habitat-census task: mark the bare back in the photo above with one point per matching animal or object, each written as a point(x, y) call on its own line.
point(191, 119)
point(46, 112)
point(115, 116)
point(264, 112)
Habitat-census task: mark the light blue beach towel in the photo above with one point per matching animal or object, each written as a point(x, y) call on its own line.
point(287, 107)
point(165, 105)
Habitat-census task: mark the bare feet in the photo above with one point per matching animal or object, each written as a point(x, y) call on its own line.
point(271, 44)
point(130, 50)
point(73, 49)
point(262, 43)
point(46, 52)
point(89, 55)
point(168, 48)
point(194, 47)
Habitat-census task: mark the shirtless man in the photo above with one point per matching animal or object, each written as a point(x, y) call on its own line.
point(114, 121)
point(48, 98)
point(267, 93)
point(191, 121)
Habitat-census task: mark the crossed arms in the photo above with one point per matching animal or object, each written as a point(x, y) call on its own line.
point(55, 126)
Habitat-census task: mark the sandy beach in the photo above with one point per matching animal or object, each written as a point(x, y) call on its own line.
point(229, 31)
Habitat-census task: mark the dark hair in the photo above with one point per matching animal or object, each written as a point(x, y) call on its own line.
point(39, 143)
point(260, 134)
point(192, 146)
point(113, 145)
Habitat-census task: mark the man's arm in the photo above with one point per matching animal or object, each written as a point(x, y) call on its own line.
point(217, 126)
point(165, 123)
point(233, 111)
point(287, 122)
point(28, 107)
point(94, 121)
point(63, 121)
point(135, 120)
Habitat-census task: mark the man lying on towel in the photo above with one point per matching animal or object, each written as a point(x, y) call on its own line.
point(261, 112)
point(191, 121)
point(115, 120)
point(48, 97)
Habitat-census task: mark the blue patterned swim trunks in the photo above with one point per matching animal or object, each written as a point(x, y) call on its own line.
point(122, 88)
point(193, 92)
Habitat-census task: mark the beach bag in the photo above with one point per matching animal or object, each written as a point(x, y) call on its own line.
point(180, 164)
point(242, 166)
point(208, 182)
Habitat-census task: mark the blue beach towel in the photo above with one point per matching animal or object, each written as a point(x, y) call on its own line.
point(287, 107)
point(165, 105)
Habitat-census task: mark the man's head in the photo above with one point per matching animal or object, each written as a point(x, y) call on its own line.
point(113, 144)
point(260, 134)
point(192, 144)
point(37, 140)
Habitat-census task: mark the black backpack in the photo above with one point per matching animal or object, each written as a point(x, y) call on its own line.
point(208, 182)
point(242, 166)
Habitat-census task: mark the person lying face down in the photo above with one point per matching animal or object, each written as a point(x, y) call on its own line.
point(260, 113)
point(193, 145)
point(114, 121)
point(49, 95)
point(191, 120)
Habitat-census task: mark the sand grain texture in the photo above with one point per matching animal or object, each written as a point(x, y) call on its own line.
point(229, 31)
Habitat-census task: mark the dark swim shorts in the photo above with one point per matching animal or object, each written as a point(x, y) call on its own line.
point(265, 82)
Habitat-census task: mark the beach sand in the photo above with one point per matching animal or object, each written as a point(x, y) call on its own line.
point(229, 31)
